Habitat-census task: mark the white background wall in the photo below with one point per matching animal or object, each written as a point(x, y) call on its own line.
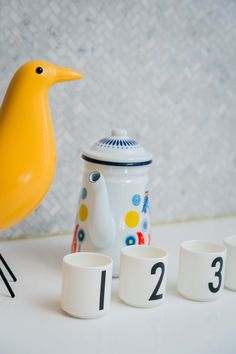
point(164, 70)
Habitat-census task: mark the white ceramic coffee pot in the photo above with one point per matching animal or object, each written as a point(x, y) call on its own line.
point(113, 209)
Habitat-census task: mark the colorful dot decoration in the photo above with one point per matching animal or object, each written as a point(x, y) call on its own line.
point(84, 193)
point(74, 241)
point(81, 235)
point(136, 200)
point(145, 225)
point(141, 239)
point(130, 240)
point(83, 212)
point(132, 219)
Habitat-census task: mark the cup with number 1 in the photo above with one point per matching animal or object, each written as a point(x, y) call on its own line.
point(86, 284)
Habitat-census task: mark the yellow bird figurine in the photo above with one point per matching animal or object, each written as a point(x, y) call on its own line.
point(27, 145)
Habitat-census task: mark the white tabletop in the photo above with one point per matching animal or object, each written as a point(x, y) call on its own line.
point(33, 323)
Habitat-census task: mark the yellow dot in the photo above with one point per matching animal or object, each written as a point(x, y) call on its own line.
point(132, 219)
point(83, 212)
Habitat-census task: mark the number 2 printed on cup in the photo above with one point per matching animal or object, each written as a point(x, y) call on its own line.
point(155, 295)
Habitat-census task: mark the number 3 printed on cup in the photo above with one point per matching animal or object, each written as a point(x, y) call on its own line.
point(216, 262)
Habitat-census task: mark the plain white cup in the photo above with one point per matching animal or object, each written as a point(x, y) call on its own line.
point(86, 284)
point(201, 270)
point(142, 280)
point(230, 269)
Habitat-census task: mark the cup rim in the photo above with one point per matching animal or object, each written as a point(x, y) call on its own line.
point(108, 261)
point(126, 251)
point(228, 241)
point(216, 247)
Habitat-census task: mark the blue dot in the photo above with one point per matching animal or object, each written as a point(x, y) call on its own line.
point(81, 235)
point(136, 199)
point(84, 193)
point(145, 225)
point(130, 240)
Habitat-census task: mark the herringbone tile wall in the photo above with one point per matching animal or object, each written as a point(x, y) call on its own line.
point(164, 70)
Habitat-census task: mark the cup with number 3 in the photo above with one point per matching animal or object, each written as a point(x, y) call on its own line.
point(201, 270)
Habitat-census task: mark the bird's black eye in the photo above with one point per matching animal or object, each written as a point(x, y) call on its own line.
point(39, 70)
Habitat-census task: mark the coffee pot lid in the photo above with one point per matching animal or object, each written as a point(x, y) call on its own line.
point(117, 150)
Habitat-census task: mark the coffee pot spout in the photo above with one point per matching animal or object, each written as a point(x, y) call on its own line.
point(102, 224)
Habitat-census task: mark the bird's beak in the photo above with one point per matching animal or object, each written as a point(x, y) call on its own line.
point(64, 74)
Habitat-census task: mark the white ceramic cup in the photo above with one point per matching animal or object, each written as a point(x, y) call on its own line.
point(230, 269)
point(142, 275)
point(86, 284)
point(201, 270)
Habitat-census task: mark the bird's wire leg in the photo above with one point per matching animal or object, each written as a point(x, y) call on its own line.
point(6, 283)
point(7, 267)
point(4, 278)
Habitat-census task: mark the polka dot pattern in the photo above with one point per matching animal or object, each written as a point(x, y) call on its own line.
point(136, 200)
point(130, 240)
point(81, 235)
point(83, 212)
point(84, 193)
point(145, 225)
point(132, 219)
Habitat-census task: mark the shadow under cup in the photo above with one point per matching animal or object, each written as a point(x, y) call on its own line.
point(142, 280)
point(201, 270)
point(86, 284)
